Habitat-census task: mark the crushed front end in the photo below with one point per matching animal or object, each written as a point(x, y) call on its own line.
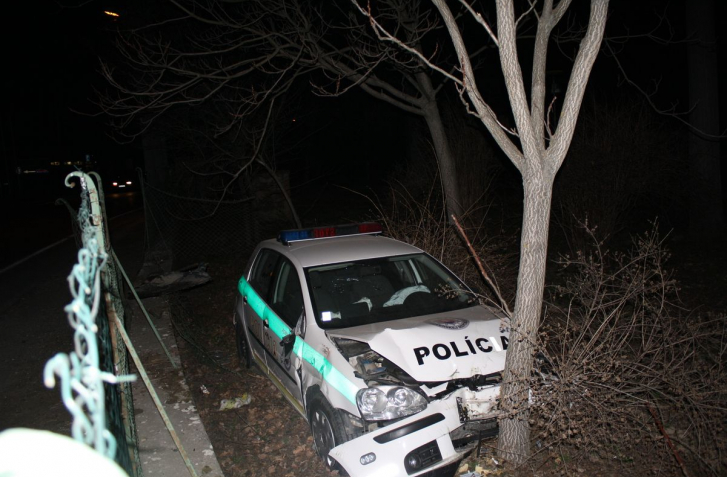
point(431, 441)
point(437, 424)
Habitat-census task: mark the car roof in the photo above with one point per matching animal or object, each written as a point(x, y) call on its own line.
point(310, 253)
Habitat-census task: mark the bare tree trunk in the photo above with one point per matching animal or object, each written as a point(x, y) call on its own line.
point(514, 427)
point(538, 158)
point(445, 159)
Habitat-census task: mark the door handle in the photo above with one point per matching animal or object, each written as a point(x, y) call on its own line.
point(266, 324)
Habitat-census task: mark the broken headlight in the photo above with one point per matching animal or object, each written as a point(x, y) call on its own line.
point(383, 403)
point(370, 366)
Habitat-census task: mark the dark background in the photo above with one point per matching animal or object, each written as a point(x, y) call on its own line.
point(50, 125)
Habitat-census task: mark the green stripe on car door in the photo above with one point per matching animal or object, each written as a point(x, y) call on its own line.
point(302, 349)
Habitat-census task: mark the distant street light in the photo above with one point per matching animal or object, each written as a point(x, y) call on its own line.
point(111, 14)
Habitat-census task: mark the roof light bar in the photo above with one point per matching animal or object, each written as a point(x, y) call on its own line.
point(287, 236)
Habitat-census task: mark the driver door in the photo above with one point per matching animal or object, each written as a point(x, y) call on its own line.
point(287, 302)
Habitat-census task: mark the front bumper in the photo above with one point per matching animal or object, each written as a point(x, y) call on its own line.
point(421, 444)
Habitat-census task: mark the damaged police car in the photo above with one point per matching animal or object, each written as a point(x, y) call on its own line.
point(382, 349)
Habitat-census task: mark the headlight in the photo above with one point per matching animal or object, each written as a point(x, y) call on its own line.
point(389, 402)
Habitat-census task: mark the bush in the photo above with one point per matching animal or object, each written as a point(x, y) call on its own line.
point(628, 370)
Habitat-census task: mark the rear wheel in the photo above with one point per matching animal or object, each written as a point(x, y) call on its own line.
point(243, 348)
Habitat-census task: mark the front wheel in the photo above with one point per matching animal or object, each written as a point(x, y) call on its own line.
point(327, 428)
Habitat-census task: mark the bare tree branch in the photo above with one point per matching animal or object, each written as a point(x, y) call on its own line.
point(587, 53)
point(478, 18)
point(469, 87)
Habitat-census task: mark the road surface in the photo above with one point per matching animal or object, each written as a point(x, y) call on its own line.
point(35, 327)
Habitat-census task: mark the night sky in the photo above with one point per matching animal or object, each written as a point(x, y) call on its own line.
point(51, 70)
point(53, 62)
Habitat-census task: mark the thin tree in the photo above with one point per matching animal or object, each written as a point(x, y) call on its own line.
point(536, 147)
point(244, 54)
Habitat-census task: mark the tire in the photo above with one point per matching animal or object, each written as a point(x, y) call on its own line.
point(327, 428)
point(243, 348)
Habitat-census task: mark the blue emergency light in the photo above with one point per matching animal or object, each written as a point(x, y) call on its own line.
point(287, 236)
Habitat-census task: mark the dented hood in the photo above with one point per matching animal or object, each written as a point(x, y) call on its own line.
point(439, 347)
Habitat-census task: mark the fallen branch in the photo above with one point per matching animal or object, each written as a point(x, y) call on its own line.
point(483, 272)
point(669, 442)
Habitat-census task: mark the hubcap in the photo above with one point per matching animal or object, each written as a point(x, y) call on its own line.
point(322, 434)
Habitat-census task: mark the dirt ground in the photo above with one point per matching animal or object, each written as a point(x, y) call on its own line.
point(268, 437)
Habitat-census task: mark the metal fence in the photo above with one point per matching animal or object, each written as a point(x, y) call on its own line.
point(181, 231)
point(94, 378)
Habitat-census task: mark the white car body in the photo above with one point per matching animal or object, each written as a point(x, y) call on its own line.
point(453, 360)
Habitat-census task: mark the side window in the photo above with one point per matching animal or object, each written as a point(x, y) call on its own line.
point(263, 272)
point(287, 301)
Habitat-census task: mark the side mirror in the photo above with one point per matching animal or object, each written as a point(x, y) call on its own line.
point(289, 340)
point(287, 343)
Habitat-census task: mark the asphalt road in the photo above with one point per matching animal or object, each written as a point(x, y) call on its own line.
point(33, 323)
point(28, 227)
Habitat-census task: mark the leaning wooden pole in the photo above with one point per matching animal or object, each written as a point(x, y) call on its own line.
point(154, 396)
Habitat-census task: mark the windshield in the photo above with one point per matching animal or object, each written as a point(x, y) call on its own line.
point(383, 289)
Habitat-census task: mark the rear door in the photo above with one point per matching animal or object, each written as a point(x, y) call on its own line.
point(261, 280)
point(275, 280)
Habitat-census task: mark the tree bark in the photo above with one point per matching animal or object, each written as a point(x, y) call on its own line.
point(445, 159)
point(514, 426)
